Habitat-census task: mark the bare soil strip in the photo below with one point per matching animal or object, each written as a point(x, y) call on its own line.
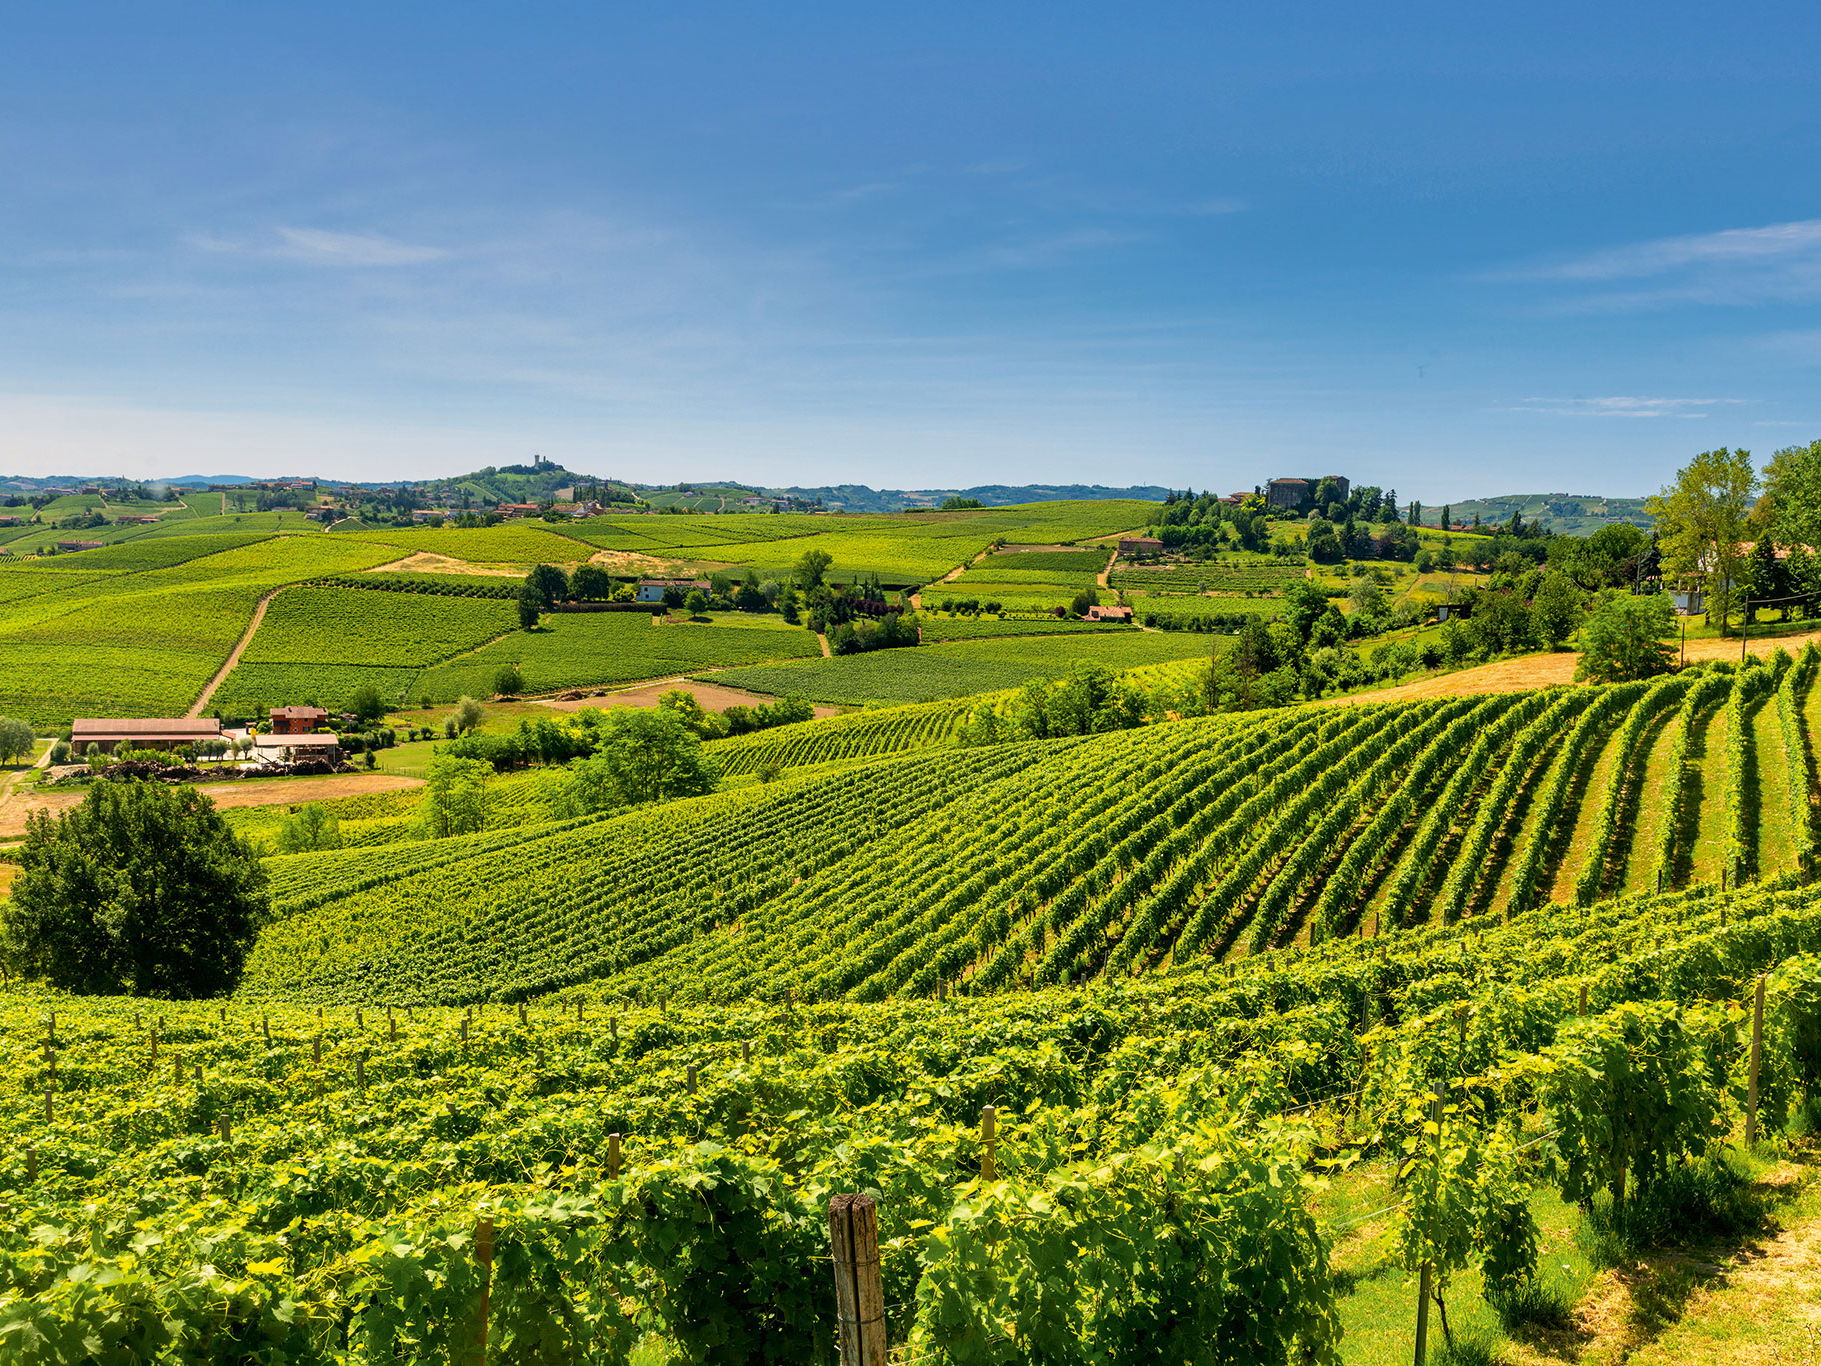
point(712, 696)
point(240, 648)
point(248, 792)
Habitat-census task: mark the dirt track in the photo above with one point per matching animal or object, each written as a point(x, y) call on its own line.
point(712, 696)
point(16, 806)
point(1539, 671)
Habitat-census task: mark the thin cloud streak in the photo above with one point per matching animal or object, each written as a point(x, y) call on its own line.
point(1774, 242)
point(1621, 406)
point(317, 246)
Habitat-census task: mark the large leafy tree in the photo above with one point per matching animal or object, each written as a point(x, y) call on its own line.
point(1792, 482)
point(142, 889)
point(1703, 521)
point(642, 755)
point(455, 799)
point(16, 740)
point(1626, 639)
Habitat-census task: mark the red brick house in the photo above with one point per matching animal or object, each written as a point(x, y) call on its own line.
point(297, 720)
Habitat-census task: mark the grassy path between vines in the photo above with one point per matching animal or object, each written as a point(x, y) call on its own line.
point(1776, 840)
point(1712, 771)
point(1574, 855)
point(1750, 1296)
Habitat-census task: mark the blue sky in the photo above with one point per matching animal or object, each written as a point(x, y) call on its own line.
point(1458, 250)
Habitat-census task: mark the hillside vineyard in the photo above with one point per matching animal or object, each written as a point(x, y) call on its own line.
point(1025, 865)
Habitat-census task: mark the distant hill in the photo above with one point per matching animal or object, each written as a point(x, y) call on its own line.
point(862, 498)
point(543, 480)
point(1571, 514)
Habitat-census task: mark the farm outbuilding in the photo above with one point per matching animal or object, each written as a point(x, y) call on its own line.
point(109, 734)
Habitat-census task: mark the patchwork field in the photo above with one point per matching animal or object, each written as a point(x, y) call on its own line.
point(930, 672)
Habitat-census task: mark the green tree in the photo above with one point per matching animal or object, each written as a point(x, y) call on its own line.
point(643, 755)
point(696, 602)
point(142, 889)
point(509, 681)
point(1626, 638)
point(1702, 523)
point(1792, 485)
point(16, 740)
point(551, 583)
point(530, 606)
point(455, 796)
point(1767, 577)
point(313, 827)
point(367, 706)
point(591, 583)
point(468, 714)
point(1556, 610)
point(810, 568)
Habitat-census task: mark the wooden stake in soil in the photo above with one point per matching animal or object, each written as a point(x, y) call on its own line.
point(746, 1050)
point(613, 1157)
point(483, 1254)
point(989, 1143)
point(1426, 1283)
point(391, 1026)
point(1757, 1059)
point(1583, 998)
point(692, 1078)
point(31, 1165)
point(853, 1239)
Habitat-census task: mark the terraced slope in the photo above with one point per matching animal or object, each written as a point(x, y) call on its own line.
point(1051, 861)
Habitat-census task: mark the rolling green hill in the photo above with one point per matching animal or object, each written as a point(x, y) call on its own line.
point(1095, 857)
point(1571, 514)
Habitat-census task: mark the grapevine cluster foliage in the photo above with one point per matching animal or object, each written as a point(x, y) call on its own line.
point(1154, 1193)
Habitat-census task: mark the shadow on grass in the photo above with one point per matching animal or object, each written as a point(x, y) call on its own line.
point(1679, 1235)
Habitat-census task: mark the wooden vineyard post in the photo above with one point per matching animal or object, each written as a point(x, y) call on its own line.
point(1583, 998)
point(31, 1165)
point(578, 1012)
point(853, 1239)
point(391, 1026)
point(613, 1157)
point(1757, 1060)
point(483, 1254)
point(316, 1049)
point(989, 1143)
point(521, 1012)
point(746, 1050)
point(692, 1078)
point(50, 1105)
point(1425, 1286)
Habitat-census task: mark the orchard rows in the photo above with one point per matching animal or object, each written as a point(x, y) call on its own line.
point(1063, 861)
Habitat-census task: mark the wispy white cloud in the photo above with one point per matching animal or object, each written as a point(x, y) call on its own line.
point(1778, 241)
point(1208, 208)
point(320, 247)
point(1738, 267)
point(1048, 250)
point(1621, 406)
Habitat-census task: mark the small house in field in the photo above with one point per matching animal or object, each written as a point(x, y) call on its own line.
point(116, 733)
point(653, 590)
point(297, 720)
point(1098, 613)
point(517, 510)
point(1690, 602)
point(1140, 545)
